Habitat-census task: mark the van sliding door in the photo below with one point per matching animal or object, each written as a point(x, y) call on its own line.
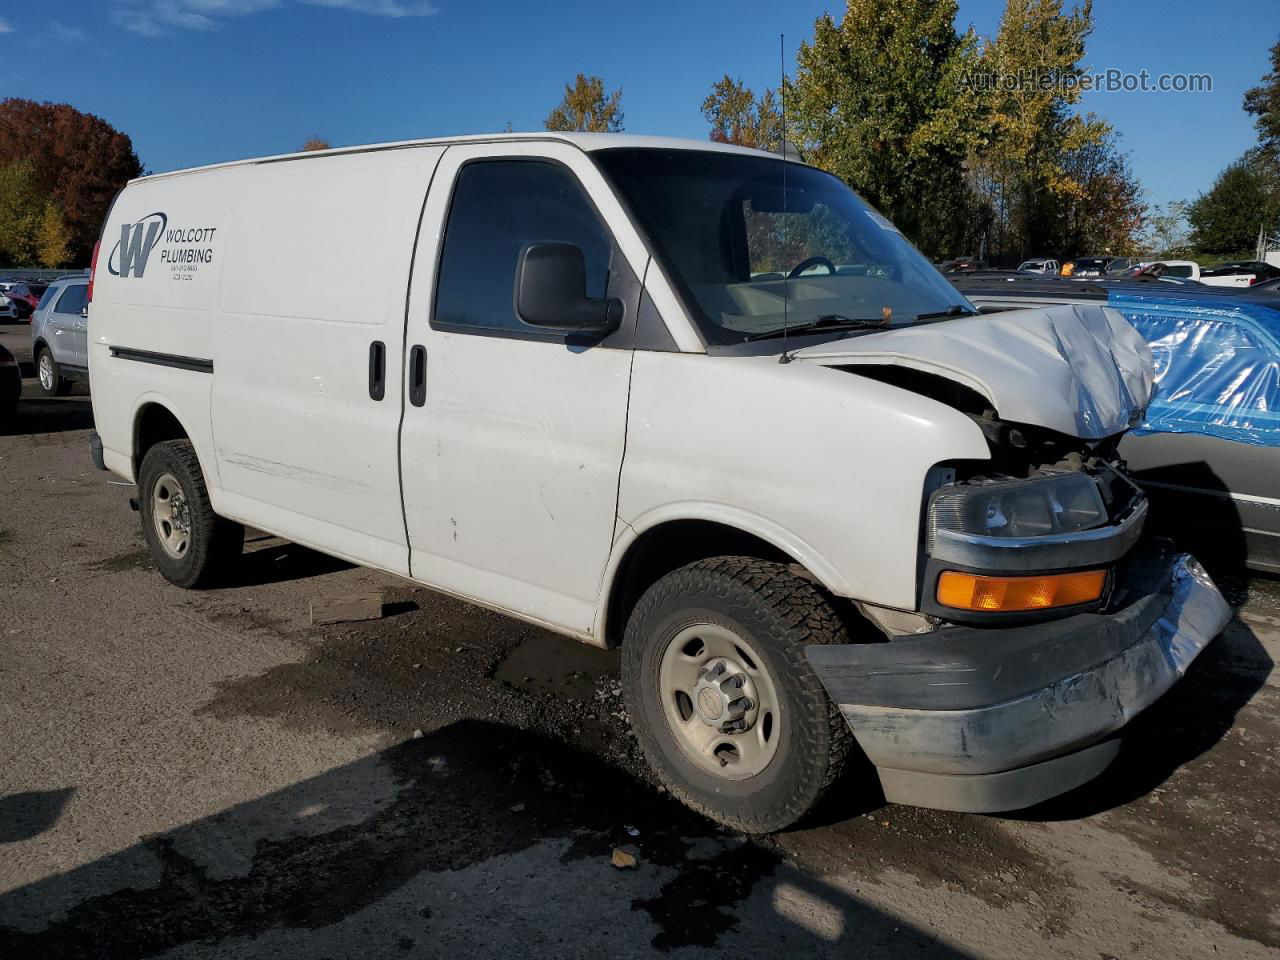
point(317, 273)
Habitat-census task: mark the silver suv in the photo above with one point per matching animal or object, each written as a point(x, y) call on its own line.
point(59, 335)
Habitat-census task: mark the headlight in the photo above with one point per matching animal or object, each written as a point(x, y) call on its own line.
point(1042, 506)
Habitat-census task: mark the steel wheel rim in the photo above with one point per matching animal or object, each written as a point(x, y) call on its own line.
point(171, 516)
point(691, 689)
point(46, 371)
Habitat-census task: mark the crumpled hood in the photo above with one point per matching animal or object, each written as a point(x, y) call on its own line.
point(1080, 369)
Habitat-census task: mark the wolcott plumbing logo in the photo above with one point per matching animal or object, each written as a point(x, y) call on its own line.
point(185, 247)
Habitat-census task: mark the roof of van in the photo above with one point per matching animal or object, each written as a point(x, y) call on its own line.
point(583, 141)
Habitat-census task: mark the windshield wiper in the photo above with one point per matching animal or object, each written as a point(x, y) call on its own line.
point(952, 311)
point(829, 321)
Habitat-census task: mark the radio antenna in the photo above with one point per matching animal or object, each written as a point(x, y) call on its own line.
point(782, 152)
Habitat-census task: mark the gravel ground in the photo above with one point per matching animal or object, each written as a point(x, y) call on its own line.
point(205, 774)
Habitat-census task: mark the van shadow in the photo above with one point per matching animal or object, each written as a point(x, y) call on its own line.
point(476, 837)
point(268, 560)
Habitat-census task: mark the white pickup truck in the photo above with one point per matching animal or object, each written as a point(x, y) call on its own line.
point(687, 398)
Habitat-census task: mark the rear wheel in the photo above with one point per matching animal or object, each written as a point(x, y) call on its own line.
point(725, 706)
point(52, 381)
point(191, 544)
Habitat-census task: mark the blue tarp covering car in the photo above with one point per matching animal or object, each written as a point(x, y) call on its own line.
point(1217, 364)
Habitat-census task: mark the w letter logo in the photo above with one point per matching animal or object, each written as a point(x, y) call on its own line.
point(137, 240)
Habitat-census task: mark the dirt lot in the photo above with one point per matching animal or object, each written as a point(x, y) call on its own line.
point(204, 774)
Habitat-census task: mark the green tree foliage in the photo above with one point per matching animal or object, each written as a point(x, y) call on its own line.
point(878, 100)
point(1043, 163)
point(22, 203)
point(738, 116)
point(1263, 101)
point(53, 239)
point(1105, 211)
point(78, 160)
point(586, 108)
point(1226, 219)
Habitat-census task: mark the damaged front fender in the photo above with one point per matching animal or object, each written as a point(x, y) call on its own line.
point(981, 719)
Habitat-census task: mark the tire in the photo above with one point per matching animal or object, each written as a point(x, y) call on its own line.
point(52, 382)
point(191, 544)
point(801, 738)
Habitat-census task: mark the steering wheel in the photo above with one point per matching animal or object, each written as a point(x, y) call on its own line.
point(805, 264)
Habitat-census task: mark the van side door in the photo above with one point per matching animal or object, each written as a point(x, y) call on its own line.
point(307, 349)
point(513, 435)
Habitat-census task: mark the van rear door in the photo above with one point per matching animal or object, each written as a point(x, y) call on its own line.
point(513, 442)
point(308, 345)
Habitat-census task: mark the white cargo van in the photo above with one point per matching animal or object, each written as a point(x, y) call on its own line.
point(676, 396)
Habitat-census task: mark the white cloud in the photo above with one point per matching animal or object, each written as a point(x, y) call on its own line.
point(66, 32)
point(379, 8)
point(153, 18)
point(5, 26)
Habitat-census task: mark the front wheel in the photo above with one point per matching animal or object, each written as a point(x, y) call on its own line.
point(52, 382)
point(191, 545)
point(724, 704)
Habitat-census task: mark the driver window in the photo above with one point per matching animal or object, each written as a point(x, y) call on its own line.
point(499, 206)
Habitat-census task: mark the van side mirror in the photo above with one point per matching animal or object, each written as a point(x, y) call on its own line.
point(551, 291)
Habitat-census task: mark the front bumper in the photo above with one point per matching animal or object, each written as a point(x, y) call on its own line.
point(981, 719)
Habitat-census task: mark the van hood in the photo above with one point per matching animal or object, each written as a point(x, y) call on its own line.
point(1079, 369)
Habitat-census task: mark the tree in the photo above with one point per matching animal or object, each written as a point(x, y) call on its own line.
point(737, 116)
point(1106, 213)
point(1225, 220)
point(1263, 102)
point(1167, 235)
point(78, 160)
point(315, 143)
point(1032, 71)
point(53, 240)
point(586, 108)
point(878, 100)
point(22, 204)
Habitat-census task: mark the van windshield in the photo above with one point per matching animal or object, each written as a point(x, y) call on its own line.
point(748, 258)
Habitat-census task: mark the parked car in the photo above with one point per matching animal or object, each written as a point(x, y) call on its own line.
point(591, 390)
point(1085, 267)
point(1039, 265)
point(1208, 450)
point(963, 265)
point(1118, 266)
point(1169, 270)
point(10, 384)
point(58, 336)
point(26, 296)
point(1244, 273)
point(8, 311)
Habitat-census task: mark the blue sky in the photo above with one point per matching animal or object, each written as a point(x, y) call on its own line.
point(199, 81)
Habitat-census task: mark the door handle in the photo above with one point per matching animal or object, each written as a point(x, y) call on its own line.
point(418, 375)
point(377, 369)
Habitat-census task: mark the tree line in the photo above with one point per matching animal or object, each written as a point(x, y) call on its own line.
point(975, 145)
point(59, 171)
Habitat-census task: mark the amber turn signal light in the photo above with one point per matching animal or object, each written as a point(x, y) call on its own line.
point(967, 591)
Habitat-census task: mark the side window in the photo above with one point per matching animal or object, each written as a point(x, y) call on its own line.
point(72, 299)
point(498, 207)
